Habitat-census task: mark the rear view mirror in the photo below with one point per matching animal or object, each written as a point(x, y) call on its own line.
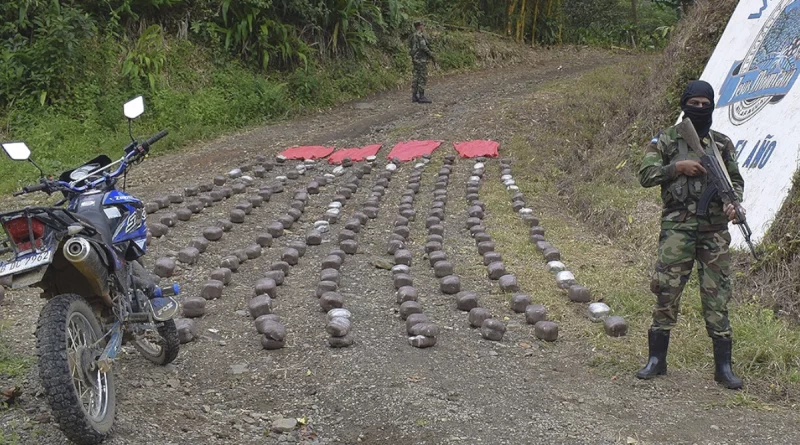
point(134, 108)
point(17, 151)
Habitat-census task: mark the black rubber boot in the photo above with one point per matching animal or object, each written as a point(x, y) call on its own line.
point(658, 342)
point(723, 373)
point(422, 99)
point(414, 97)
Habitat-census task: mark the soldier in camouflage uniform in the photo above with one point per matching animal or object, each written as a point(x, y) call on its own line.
point(687, 237)
point(420, 55)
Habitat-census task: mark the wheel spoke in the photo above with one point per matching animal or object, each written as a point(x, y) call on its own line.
point(92, 391)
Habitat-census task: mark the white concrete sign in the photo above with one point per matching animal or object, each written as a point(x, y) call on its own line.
point(754, 70)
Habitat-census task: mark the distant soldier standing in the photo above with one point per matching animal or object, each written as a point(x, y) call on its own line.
point(686, 237)
point(420, 55)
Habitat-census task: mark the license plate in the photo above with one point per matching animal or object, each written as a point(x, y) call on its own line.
point(26, 263)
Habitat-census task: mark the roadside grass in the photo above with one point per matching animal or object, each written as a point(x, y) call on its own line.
point(606, 227)
point(13, 366)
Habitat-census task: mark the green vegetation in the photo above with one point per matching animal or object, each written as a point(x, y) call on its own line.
point(236, 64)
point(211, 66)
point(634, 23)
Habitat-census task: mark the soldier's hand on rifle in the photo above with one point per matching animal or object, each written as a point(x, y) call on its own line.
point(730, 210)
point(690, 168)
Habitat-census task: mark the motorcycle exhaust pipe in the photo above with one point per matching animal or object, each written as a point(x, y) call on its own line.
point(80, 253)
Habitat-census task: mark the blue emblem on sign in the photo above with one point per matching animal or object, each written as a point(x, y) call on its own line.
point(770, 68)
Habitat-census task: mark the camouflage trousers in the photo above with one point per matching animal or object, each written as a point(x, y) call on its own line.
point(419, 77)
point(677, 252)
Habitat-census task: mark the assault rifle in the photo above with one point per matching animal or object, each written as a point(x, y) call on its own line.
point(719, 182)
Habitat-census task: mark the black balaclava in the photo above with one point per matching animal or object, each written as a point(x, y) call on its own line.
point(701, 117)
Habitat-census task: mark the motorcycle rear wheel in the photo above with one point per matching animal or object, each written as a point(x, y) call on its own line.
point(164, 348)
point(82, 398)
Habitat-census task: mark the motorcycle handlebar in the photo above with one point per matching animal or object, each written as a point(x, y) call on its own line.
point(33, 188)
point(48, 186)
point(146, 145)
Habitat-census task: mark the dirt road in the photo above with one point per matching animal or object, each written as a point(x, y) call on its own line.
point(224, 388)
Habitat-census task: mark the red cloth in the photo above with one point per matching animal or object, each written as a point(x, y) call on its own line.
point(407, 151)
point(476, 149)
point(355, 154)
point(308, 152)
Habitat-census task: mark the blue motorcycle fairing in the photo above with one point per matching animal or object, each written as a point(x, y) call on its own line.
point(119, 217)
point(115, 197)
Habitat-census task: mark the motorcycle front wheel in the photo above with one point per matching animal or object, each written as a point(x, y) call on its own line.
point(82, 399)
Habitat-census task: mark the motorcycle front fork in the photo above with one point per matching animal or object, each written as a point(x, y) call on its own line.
point(106, 360)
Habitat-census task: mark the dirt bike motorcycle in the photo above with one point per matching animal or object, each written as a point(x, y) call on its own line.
point(84, 253)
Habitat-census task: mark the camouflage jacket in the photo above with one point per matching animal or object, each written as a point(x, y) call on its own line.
point(418, 48)
point(679, 193)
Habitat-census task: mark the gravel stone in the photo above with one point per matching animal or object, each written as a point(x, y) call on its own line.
point(443, 269)
point(332, 262)
point(408, 308)
point(314, 238)
point(615, 326)
point(493, 329)
point(427, 329)
point(450, 284)
point(212, 290)
point(186, 330)
point(264, 240)
point(485, 246)
point(437, 256)
point(338, 327)
point(432, 246)
point(491, 257)
point(349, 246)
point(188, 255)
point(184, 214)
point(222, 274)
point(466, 301)
point(421, 341)
point(520, 302)
point(546, 330)
point(276, 275)
point(275, 229)
point(237, 216)
point(266, 286)
point(326, 286)
point(252, 251)
point(157, 229)
point(551, 254)
point(535, 313)
point(496, 270)
point(169, 219)
point(340, 342)
point(579, 294)
point(230, 262)
point(402, 279)
point(194, 307)
point(508, 283)
point(164, 267)
point(331, 300)
point(224, 224)
point(201, 244)
point(329, 275)
point(403, 256)
point(406, 293)
point(477, 316)
point(282, 266)
point(260, 305)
